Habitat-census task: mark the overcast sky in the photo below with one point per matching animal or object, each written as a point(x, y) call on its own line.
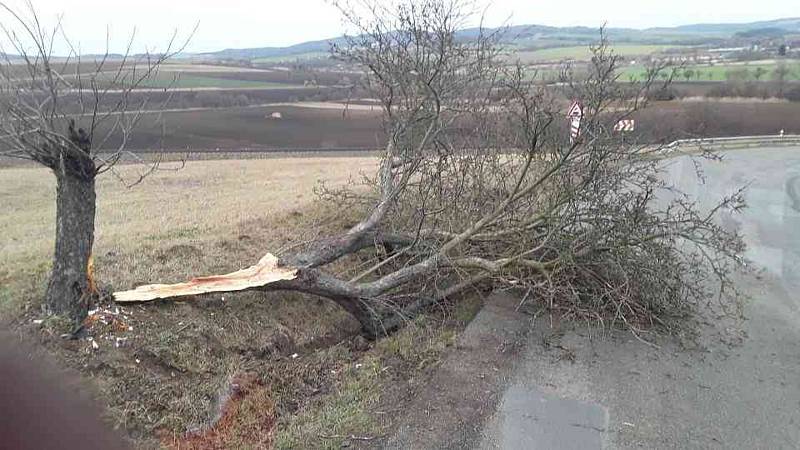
point(263, 23)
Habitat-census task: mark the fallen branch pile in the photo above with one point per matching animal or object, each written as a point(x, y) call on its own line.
point(480, 187)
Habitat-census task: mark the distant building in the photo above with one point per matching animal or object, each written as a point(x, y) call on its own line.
point(726, 49)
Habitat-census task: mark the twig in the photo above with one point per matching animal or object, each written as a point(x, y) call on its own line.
point(351, 437)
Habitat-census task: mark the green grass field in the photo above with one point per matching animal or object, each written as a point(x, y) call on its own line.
point(187, 80)
point(583, 52)
point(299, 57)
point(721, 72)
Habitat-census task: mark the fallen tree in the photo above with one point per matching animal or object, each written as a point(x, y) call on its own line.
point(480, 187)
point(259, 275)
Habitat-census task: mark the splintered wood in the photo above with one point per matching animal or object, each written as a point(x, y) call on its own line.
point(265, 272)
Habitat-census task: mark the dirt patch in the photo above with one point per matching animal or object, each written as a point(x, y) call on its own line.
point(451, 407)
point(666, 121)
point(181, 251)
point(371, 388)
point(298, 128)
point(162, 368)
point(246, 418)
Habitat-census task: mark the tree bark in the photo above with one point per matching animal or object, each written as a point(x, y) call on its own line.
point(68, 291)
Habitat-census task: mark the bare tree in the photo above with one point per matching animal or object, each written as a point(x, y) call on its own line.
point(759, 72)
point(737, 75)
point(479, 187)
point(74, 117)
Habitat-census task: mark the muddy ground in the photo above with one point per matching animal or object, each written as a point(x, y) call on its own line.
point(317, 128)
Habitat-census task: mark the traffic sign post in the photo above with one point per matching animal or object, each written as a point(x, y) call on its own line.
point(574, 114)
point(575, 110)
point(574, 129)
point(625, 125)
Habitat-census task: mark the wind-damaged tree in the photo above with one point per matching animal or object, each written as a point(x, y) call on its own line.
point(74, 117)
point(480, 187)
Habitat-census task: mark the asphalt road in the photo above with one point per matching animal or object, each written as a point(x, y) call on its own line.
point(736, 387)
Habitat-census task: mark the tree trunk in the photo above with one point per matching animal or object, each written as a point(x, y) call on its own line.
point(68, 291)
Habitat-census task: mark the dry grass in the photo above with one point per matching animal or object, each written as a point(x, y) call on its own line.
point(172, 370)
point(209, 198)
point(165, 373)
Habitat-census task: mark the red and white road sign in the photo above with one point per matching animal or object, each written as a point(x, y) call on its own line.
point(574, 128)
point(625, 125)
point(575, 110)
point(575, 114)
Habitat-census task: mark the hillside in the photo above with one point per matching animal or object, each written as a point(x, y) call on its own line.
point(531, 37)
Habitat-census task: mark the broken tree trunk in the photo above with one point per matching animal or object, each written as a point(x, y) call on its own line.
point(271, 275)
point(266, 271)
point(70, 288)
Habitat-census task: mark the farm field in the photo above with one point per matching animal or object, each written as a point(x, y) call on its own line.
point(291, 58)
point(244, 127)
point(230, 129)
point(192, 80)
point(325, 126)
point(720, 72)
point(583, 52)
point(170, 204)
point(186, 75)
point(676, 120)
point(189, 66)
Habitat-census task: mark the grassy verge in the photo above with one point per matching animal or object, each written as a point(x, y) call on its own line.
point(163, 368)
point(245, 370)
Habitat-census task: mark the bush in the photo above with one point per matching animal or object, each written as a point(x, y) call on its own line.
point(739, 89)
point(220, 100)
point(664, 94)
point(721, 90)
point(793, 95)
point(242, 100)
point(209, 99)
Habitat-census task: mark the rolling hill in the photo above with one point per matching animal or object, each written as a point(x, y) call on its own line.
point(532, 37)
